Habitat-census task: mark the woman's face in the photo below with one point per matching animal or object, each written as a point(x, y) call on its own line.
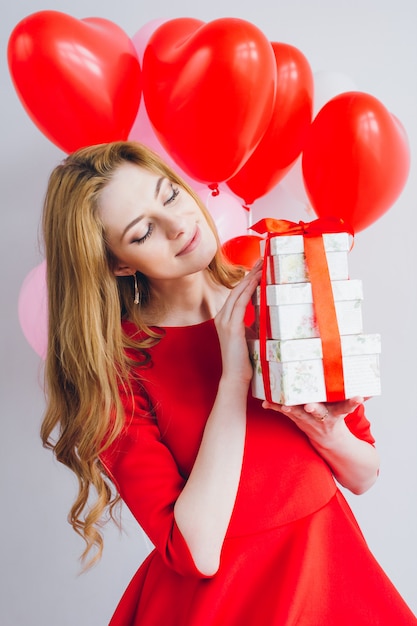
point(153, 226)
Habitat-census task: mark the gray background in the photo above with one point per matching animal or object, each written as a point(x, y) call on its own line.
point(371, 41)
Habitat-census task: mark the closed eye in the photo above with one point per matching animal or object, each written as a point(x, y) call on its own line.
point(145, 236)
point(174, 194)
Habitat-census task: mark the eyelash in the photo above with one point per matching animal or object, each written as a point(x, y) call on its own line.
point(145, 236)
point(175, 192)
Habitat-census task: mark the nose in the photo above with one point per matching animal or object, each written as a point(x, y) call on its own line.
point(174, 225)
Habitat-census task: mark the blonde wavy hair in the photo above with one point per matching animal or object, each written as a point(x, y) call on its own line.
point(86, 360)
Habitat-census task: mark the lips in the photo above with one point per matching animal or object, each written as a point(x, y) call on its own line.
point(191, 243)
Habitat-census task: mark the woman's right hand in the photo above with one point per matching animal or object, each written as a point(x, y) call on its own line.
point(231, 330)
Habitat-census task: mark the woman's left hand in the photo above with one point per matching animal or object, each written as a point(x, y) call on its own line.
point(317, 419)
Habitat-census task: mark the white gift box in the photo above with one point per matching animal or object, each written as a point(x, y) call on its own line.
point(296, 368)
point(286, 262)
point(291, 311)
point(294, 244)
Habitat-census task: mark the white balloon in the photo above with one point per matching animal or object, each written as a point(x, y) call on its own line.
point(228, 213)
point(280, 205)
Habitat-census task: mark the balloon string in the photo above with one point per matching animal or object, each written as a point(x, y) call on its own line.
point(248, 210)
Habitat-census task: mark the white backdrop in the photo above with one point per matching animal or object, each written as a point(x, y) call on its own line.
point(374, 43)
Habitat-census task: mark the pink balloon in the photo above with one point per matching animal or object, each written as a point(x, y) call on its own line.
point(33, 309)
point(230, 217)
point(141, 38)
point(142, 130)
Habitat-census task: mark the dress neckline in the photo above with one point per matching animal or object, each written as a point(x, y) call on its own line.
point(208, 322)
point(169, 329)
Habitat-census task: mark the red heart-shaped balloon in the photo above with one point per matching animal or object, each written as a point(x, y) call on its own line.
point(284, 138)
point(209, 93)
point(79, 80)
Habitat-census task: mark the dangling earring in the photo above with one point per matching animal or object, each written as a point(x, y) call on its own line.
point(136, 298)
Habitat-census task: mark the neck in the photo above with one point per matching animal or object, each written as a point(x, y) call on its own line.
point(191, 300)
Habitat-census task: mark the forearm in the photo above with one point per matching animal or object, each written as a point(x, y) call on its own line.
point(354, 463)
point(205, 505)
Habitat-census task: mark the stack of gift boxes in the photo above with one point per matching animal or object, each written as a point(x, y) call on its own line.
point(293, 345)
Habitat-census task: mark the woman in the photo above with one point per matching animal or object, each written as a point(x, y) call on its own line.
point(148, 380)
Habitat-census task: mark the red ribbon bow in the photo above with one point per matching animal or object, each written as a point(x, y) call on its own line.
point(323, 301)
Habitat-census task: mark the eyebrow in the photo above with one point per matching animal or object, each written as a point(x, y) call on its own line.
point(140, 217)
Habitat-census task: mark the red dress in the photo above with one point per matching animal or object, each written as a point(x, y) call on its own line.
point(293, 554)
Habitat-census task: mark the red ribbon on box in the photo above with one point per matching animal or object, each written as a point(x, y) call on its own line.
point(323, 301)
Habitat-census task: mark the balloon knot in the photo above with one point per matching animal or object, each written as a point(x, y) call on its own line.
point(215, 191)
